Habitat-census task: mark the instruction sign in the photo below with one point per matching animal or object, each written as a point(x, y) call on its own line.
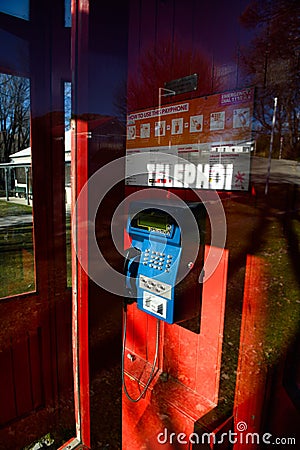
point(211, 134)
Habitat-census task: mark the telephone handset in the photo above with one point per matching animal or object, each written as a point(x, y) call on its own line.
point(131, 265)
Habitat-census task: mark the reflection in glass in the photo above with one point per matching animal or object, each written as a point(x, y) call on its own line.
point(16, 8)
point(67, 106)
point(68, 17)
point(236, 47)
point(211, 135)
point(16, 232)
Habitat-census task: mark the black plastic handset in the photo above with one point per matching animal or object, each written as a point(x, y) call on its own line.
point(131, 265)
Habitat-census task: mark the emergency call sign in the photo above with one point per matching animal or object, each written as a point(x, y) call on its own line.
point(211, 134)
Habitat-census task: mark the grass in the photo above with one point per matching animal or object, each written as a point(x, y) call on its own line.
point(13, 209)
point(16, 252)
point(283, 288)
point(17, 260)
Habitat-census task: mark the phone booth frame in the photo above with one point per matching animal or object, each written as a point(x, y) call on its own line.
point(79, 171)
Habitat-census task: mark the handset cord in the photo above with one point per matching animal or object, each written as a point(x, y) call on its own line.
point(135, 400)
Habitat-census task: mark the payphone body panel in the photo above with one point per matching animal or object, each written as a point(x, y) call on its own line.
point(157, 237)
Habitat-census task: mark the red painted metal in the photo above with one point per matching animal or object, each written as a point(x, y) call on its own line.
point(80, 292)
point(250, 394)
point(79, 168)
point(186, 384)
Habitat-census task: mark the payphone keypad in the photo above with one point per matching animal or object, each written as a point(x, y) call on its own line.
point(157, 260)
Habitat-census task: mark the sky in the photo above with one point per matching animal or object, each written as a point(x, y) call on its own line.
point(17, 8)
point(20, 8)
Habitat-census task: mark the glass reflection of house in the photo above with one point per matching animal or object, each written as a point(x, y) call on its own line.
point(18, 181)
point(106, 136)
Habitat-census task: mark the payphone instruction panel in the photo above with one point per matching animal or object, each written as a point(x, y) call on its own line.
point(212, 134)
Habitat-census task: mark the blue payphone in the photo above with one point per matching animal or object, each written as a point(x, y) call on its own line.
point(154, 261)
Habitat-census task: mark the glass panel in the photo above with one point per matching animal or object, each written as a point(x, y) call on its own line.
point(67, 103)
point(68, 18)
point(238, 130)
point(16, 231)
point(16, 8)
point(36, 377)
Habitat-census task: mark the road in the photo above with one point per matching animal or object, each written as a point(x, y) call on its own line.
point(9, 221)
point(282, 170)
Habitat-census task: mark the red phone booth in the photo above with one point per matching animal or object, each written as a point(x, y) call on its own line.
point(179, 106)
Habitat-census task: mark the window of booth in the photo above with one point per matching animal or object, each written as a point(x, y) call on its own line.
point(36, 372)
point(68, 193)
point(213, 103)
point(17, 273)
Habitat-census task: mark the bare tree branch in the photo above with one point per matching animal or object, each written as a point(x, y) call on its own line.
point(14, 115)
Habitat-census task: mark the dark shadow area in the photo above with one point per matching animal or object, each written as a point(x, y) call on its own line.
point(262, 225)
point(105, 342)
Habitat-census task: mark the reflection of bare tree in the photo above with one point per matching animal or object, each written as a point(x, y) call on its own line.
point(120, 101)
point(14, 115)
point(272, 62)
point(164, 63)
